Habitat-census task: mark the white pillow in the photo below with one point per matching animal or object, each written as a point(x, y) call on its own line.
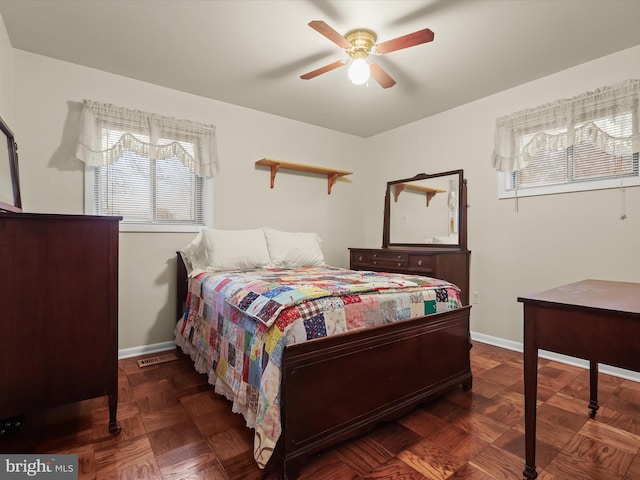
point(294, 249)
point(441, 239)
point(235, 249)
point(192, 255)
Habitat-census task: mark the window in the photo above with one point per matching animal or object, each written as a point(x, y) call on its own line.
point(586, 143)
point(148, 194)
point(146, 175)
point(582, 166)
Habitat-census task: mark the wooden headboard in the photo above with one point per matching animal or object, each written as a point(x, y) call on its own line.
point(181, 286)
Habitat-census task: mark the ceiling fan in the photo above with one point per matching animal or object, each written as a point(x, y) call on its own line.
point(359, 44)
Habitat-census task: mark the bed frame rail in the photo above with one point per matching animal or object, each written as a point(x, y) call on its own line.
point(182, 283)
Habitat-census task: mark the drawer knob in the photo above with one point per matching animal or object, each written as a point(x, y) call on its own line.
point(399, 264)
point(399, 257)
point(375, 263)
point(419, 263)
point(375, 255)
point(360, 258)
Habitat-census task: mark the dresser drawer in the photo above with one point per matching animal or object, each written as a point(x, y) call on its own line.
point(389, 260)
point(421, 263)
point(379, 260)
point(359, 258)
point(389, 257)
point(381, 263)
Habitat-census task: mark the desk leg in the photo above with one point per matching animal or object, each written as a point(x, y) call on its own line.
point(593, 386)
point(530, 396)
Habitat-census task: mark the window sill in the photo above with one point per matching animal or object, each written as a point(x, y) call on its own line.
point(147, 228)
point(567, 187)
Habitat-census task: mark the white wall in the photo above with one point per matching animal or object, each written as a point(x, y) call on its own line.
point(550, 240)
point(48, 93)
point(6, 77)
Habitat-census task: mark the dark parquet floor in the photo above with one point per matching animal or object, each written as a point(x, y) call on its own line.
point(175, 427)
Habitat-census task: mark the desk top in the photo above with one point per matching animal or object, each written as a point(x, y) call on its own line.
point(621, 297)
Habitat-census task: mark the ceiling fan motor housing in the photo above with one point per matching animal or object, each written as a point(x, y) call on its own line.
point(362, 40)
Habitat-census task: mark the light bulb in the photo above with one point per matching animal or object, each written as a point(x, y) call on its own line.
point(359, 71)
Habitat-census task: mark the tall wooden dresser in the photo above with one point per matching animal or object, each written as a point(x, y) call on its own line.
point(58, 311)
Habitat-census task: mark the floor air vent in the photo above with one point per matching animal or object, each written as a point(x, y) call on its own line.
point(147, 362)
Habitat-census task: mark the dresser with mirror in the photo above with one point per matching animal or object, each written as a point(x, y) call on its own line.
point(424, 230)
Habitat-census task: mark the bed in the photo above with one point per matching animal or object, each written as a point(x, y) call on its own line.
point(313, 355)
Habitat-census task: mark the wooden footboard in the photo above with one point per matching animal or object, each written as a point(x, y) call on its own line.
point(338, 387)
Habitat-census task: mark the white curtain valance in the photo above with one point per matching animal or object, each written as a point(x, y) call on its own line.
point(145, 134)
point(606, 117)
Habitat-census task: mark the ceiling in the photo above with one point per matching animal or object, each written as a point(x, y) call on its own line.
point(252, 52)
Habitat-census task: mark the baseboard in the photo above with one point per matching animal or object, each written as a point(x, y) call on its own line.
point(518, 347)
point(144, 349)
point(498, 342)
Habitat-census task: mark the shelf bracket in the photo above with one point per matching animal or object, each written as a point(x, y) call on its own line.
point(331, 179)
point(274, 169)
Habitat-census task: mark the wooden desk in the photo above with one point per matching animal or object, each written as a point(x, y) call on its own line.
point(596, 320)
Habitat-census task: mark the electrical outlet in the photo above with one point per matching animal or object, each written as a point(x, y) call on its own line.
point(475, 298)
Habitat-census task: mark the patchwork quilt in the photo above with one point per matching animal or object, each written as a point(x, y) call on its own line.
point(237, 324)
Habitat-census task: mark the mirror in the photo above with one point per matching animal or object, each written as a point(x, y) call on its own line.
point(426, 210)
point(9, 183)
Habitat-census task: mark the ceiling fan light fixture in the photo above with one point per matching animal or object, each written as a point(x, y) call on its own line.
point(361, 41)
point(359, 71)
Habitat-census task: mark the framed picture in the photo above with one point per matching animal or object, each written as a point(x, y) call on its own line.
point(9, 178)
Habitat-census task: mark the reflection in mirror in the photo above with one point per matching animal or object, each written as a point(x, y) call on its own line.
point(425, 210)
point(9, 184)
point(6, 187)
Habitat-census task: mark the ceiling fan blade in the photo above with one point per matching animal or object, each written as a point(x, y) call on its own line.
point(380, 76)
point(406, 41)
point(321, 70)
point(324, 29)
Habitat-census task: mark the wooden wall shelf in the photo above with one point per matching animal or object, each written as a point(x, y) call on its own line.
point(332, 173)
point(428, 191)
